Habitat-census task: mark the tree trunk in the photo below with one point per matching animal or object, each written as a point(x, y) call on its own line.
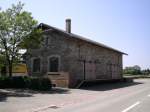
point(10, 69)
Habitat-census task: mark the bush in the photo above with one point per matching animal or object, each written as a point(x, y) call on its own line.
point(18, 82)
point(34, 84)
point(5, 82)
point(25, 82)
point(40, 84)
point(45, 84)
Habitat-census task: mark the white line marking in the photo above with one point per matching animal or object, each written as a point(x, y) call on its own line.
point(127, 109)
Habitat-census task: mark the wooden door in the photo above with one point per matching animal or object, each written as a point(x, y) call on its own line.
point(90, 71)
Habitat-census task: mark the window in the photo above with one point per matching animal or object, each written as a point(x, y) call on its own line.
point(53, 64)
point(36, 65)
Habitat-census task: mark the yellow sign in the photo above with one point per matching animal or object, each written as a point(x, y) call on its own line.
point(19, 68)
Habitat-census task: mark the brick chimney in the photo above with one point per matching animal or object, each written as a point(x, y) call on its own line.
point(68, 25)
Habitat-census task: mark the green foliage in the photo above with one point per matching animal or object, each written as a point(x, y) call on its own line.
point(146, 72)
point(40, 84)
point(131, 71)
point(35, 84)
point(45, 84)
point(33, 40)
point(5, 82)
point(17, 30)
point(25, 82)
point(18, 82)
point(135, 70)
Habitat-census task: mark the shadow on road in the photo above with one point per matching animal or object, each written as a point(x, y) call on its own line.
point(2, 98)
point(104, 86)
point(5, 93)
point(55, 90)
point(12, 93)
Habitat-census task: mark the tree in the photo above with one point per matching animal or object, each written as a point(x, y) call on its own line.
point(135, 70)
point(137, 67)
point(17, 30)
point(146, 72)
point(2, 64)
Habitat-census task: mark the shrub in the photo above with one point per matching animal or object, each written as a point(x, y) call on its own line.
point(25, 82)
point(5, 82)
point(40, 84)
point(18, 82)
point(34, 84)
point(45, 84)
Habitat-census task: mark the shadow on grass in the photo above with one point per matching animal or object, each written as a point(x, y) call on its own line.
point(5, 93)
point(105, 86)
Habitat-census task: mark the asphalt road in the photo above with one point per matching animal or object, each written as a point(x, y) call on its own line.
point(133, 97)
point(106, 97)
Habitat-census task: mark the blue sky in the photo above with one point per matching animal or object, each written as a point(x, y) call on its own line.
point(121, 24)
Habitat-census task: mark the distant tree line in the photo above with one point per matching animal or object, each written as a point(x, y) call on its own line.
point(136, 70)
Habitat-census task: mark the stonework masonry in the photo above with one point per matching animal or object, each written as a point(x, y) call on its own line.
point(79, 59)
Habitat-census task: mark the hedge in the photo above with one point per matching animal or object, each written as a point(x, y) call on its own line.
point(39, 83)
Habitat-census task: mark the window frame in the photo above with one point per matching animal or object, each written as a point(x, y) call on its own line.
point(33, 65)
point(48, 67)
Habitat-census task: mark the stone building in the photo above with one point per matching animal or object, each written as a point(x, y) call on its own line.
point(69, 59)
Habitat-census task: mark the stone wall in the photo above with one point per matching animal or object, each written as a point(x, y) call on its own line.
point(60, 79)
point(80, 59)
